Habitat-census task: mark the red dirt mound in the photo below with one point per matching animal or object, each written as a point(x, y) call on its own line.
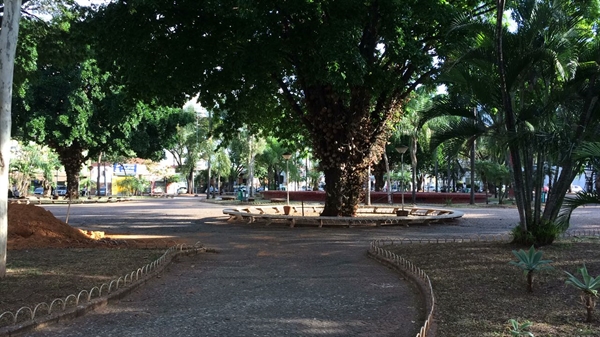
point(30, 226)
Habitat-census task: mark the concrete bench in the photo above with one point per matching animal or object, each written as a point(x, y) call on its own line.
point(278, 200)
point(275, 214)
point(423, 212)
point(228, 197)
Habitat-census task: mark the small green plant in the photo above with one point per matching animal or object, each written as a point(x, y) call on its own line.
point(541, 235)
point(522, 237)
point(516, 329)
point(530, 261)
point(589, 288)
point(448, 201)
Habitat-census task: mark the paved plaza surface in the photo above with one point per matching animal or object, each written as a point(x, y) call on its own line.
point(266, 281)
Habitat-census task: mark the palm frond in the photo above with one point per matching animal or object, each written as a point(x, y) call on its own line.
point(571, 203)
point(588, 150)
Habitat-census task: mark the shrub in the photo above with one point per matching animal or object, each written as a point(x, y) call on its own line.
point(540, 235)
point(530, 261)
point(589, 288)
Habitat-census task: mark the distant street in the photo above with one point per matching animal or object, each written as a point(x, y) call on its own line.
point(191, 218)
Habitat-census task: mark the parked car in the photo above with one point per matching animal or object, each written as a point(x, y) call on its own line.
point(576, 189)
point(182, 190)
point(61, 190)
point(430, 188)
point(38, 191)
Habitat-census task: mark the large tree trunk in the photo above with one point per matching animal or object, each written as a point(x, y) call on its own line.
point(344, 138)
point(343, 189)
point(190, 180)
point(8, 44)
point(379, 173)
point(72, 159)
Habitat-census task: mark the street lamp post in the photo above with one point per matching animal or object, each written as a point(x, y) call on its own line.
point(402, 149)
point(287, 157)
point(589, 178)
point(56, 188)
point(89, 184)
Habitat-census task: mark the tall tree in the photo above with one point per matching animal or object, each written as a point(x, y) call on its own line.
point(69, 104)
point(8, 44)
point(338, 70)
point(270, 159)
point(29, 161)
point(188, 142)
point(538, 70)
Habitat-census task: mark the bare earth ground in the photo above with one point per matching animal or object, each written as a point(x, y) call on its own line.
point(476, 289)
point(49, 259)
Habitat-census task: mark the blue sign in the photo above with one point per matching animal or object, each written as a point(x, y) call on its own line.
point(124, 169)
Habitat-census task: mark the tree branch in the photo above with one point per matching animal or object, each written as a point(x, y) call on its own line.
point(287, 94)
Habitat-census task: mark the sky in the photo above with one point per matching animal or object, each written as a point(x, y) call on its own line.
point(89, 2)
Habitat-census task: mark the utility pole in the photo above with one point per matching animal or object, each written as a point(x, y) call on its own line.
point(192, 189)
point(389, 182)
point(472, 199)
point(306, 172)
point(250, 168)
point(97, 178)
point(368, 201)
point(209, 153)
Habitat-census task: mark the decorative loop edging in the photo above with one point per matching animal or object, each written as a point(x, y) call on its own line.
point(409, 267)
point(26, 314)
point(390, 257)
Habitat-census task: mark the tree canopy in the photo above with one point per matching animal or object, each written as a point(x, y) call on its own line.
point(67, 102)
point(535, 90)
point(335, 71)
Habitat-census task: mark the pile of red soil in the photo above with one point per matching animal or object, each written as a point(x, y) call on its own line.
point(30, 226)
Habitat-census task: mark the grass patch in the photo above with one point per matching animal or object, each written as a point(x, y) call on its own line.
point(477, 290)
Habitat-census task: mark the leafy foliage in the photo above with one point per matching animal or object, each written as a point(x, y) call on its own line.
point(335, 72)
point(536, 87)
point(67, 102)
point(132, 185)
point(30, 160)
point(516, 329)
point(589, 151)
point(589, 286)
point(571, 203)
point(530, 261)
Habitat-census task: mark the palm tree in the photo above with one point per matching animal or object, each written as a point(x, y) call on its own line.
point(414, 126)
point(532, 67)
point(589, 152)
point(270, 158)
